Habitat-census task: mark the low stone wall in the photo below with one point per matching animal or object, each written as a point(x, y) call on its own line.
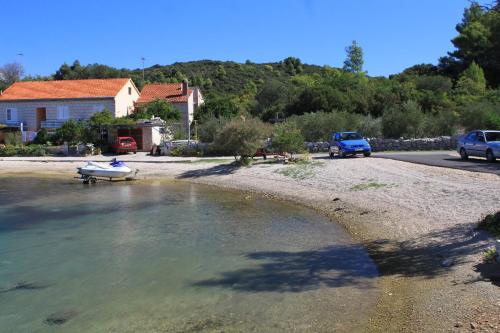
point(439, 143)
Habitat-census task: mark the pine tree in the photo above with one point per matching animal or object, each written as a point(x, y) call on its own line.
point(354, 61)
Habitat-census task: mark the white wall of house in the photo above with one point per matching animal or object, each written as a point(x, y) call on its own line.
point(55, 109)
point(187, 110)
point(125, 99)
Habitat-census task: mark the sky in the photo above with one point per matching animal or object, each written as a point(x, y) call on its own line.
point(394, 34)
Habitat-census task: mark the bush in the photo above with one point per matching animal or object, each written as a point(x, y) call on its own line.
point(208, 130)
point(288, 138)
point(406, 120)
point(491, 223)
point(185, 151)
point(481, 115)
point(42, 137)
point(242, 137)
point(31, 150)
point(13, 138)
point(71, 132)
point(318, 126)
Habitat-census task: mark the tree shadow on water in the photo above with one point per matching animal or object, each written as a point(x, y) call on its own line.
point(348, 265)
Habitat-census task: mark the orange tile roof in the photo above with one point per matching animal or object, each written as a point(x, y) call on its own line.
point(93, 88)
point(171, 92)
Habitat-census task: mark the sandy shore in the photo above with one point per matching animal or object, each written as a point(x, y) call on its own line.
point(416, 221)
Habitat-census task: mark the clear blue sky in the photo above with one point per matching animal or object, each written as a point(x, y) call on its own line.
point(394, 34)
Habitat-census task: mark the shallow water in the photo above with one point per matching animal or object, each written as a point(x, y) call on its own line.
point(173, 257)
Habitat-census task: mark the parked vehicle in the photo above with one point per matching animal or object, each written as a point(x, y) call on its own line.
point(480, 143)
point(349, 143)
point(124, 144)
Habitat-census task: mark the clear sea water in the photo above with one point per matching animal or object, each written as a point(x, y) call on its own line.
point(173, 257)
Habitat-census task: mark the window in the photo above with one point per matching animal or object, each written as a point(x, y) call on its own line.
point(11, 114)
point(129, 90)
point(62, 112)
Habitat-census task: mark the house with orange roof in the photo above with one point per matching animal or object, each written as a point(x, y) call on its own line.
point(33, 105)
point(186, 99)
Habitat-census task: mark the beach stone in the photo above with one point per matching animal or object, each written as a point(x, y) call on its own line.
point(447, 262)
point(59, 318)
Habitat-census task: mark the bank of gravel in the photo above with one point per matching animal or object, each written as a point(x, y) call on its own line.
point(413, 219)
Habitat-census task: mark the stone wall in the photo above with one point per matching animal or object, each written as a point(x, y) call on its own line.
point(439, 143)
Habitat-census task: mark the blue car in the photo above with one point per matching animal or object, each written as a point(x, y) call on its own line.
point(349, 143)
point(481, 143)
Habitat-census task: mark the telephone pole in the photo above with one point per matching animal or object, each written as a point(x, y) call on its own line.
point(142, 58)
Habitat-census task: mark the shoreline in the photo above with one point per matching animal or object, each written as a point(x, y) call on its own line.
point(416, 292)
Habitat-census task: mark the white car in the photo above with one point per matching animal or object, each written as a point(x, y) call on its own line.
point(480, 143)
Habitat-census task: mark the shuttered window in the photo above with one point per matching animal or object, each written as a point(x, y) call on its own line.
point(11, 114)
point(63, 112)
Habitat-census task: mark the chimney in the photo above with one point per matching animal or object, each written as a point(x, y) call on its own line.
point(184, 87)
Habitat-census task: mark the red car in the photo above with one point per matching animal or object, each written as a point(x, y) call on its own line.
point(124, 144)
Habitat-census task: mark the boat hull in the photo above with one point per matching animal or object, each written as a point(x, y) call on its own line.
point(119, 172)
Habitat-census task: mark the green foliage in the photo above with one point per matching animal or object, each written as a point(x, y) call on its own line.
point(218, 107)
point(104, 117)
point(209, 129)
point(481, 115)
point(319, 126)
point(242, 137)
point(472, 81)
point(403, 121)
point(71, 132)
point(20, 150)
point(287, 137)
point(158, 108)
point(185, 151)
point(42, 137)
point(13, 138)
point(292, 65)
point(491, 223)
point(354, 61)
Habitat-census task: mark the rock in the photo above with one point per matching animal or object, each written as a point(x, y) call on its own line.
point(60, 318)
point(447, 262)
point(336, 199)
point(459, 324)
point(473, 325)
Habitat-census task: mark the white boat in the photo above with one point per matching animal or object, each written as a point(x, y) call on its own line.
point(115, 169)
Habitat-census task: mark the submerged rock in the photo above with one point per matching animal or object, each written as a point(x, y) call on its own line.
point(24, 286)
point(59, 318)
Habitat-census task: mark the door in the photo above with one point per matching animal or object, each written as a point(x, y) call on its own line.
point(41, 115)
point(481, 145)
point(469, 143)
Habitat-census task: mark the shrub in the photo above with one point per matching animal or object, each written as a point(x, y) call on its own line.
point(406, 120)
point(185, 151)
point(242, 137)
point(13, 138)
point(31, 150)
point(70, 132)
point(318, 126)
point(208, 130)
point(491, 223)
point(288, 138)
point(42, 137)
point(478, 115)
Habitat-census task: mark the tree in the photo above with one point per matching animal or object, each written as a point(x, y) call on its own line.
point(10, 73)
point(292, 65)
point(242, 137)
point(216, 106)
point(472, 81)
point(287, 137)
point(354, 61)
point(70, 132)
point(158, 108)
point(405, 120)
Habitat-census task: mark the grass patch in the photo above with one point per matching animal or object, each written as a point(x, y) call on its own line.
point(367, 186)
point(491, 223)
point(301, 169)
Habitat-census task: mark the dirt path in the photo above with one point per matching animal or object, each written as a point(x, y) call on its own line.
point(416, 222)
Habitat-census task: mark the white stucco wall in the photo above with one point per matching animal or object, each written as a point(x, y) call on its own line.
point(124, 102)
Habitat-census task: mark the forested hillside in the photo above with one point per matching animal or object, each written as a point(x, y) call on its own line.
point(462, 91)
